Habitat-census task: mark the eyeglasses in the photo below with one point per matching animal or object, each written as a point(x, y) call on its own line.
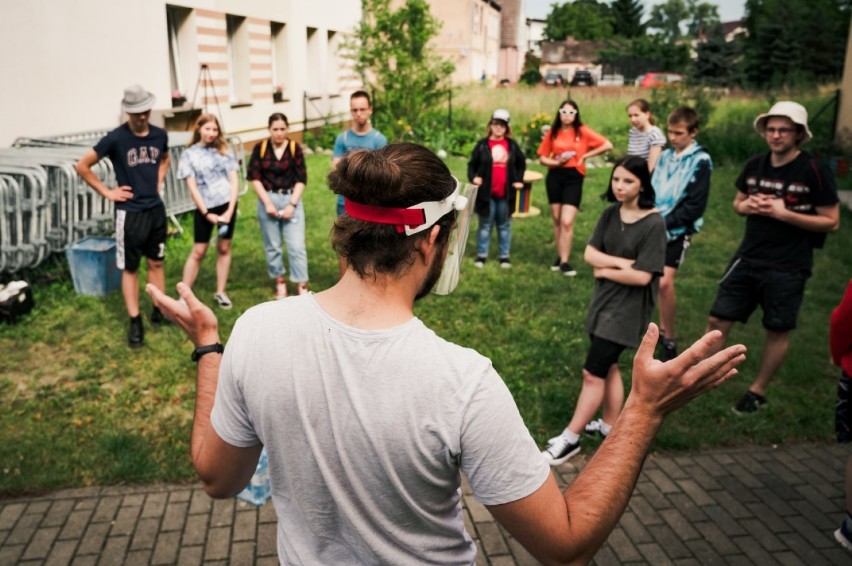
point(567, 111)
point(779, 131)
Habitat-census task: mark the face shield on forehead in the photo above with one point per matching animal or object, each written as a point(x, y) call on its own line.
point(424, 215)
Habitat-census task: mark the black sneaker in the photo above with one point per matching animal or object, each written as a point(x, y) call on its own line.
point(480, 262)
point(749, 403)
point(560, 450)
point(136, 334)
point(843, 535)
point(505, 263)
point(556, 264)
point(567, 270)
point(669, 350)
point(157, 317)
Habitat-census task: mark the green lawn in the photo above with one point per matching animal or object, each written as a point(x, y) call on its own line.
point(80, 408)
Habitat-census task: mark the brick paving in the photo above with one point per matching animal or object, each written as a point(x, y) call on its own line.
point(759, 506)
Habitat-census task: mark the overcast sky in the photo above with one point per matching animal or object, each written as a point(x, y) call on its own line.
point(729, 10)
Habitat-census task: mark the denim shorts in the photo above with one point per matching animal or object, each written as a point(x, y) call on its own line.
point(745, 286)
point(602, 355)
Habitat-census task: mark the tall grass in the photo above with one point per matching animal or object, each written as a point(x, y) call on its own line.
point(80, 408)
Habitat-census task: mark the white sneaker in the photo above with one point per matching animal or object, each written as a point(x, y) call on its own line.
point(222, 300)
point(560, 450)
point(597, 426)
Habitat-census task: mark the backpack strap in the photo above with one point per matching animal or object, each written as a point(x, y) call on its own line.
point(292, 148)
point(263, 145)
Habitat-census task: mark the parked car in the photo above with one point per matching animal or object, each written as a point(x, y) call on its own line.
point(552, 78)
point(581, 78)
point(657, 79)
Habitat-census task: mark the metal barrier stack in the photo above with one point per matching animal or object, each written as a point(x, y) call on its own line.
point(45, 206)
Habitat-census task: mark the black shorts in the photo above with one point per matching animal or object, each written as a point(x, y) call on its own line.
point(676, 251)
point(744, 287)
point(602, 355)
point(842, 412)
point(564, 186)
point(202, 227)
point(139, 234)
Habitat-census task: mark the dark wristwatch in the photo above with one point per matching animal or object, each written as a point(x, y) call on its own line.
point(201, 350)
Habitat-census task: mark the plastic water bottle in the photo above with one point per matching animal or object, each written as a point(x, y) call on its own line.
point(258, 491)
point(223, 229)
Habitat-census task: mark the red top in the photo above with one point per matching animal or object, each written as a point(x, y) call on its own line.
point(499, 161)
point(840, 332)
point(567, 139)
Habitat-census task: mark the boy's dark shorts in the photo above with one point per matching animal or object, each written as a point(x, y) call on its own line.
point(138, 234)
point(842, 412)
point(602, 355)
point(676, 251)
point(744, 287)
point(202, 228)
point(564, 186)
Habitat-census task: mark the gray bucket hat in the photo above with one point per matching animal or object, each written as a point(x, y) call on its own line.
point(137, 100)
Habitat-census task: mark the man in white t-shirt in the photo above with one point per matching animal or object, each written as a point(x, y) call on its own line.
point(368, 417)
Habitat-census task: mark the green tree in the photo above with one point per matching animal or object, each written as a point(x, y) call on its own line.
point(582, 19)
point(795, 41)
point(530, 74)
point(393, 57)
point(632, 57)
point(667, 17)
point(702, 17)
point(627, 18)
point(717, 61)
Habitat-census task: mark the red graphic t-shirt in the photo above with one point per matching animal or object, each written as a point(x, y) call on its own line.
point(500, 159)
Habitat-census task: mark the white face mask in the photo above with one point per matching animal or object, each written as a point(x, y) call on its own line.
point(422, 216)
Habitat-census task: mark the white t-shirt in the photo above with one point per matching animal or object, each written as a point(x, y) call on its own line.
point(640, 143)
point(366, 432)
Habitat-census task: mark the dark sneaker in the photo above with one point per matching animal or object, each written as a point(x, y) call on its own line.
point(567, 270)
point(505, 263)
point(560, 450)
point(749, 403)
point(669, 350)
point(596, 427)
point(556, 264)
point(136, 334)
point(157, 317)
point(222, 300)
point(480, 262)
point(843, 535)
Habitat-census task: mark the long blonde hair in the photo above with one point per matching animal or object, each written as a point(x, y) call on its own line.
point(220, 143)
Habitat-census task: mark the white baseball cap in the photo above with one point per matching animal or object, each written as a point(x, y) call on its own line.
point(501, 114)
point(785, 109)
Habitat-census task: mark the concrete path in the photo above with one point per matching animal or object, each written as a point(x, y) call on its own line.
point(764, 506)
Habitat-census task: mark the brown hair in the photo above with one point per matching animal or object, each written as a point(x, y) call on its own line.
point(397, 175)
point(645, 107)
point(684, 115)
point(361, 94)
point(220, 143)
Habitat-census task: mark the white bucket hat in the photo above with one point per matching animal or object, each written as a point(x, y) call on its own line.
point(785, 109)
point(137, 100)
point(501, 114)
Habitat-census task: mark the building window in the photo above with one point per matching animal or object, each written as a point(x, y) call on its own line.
point(333, 74)
point(314, 84)
point(176, 19)
point(239, 71)
point(279, 50)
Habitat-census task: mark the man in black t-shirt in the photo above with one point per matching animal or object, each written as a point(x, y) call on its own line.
point(139, 153)
point(790, 204)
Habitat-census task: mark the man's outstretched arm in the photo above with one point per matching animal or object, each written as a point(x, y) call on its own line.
point(570, 527)
point(223, 468)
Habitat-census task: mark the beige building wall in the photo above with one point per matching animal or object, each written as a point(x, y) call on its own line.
point(469, 37)
point(66, 64)
point(843, 134)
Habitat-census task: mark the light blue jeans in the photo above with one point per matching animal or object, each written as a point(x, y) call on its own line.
point(294, 237)
point(498, 211)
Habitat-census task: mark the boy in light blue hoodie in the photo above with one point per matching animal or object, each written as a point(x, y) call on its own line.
point(681, 180)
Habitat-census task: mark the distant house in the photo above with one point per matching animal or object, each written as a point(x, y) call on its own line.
point(568, 56)
point(229, 57)
point(535, 35)
point(470, 37)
